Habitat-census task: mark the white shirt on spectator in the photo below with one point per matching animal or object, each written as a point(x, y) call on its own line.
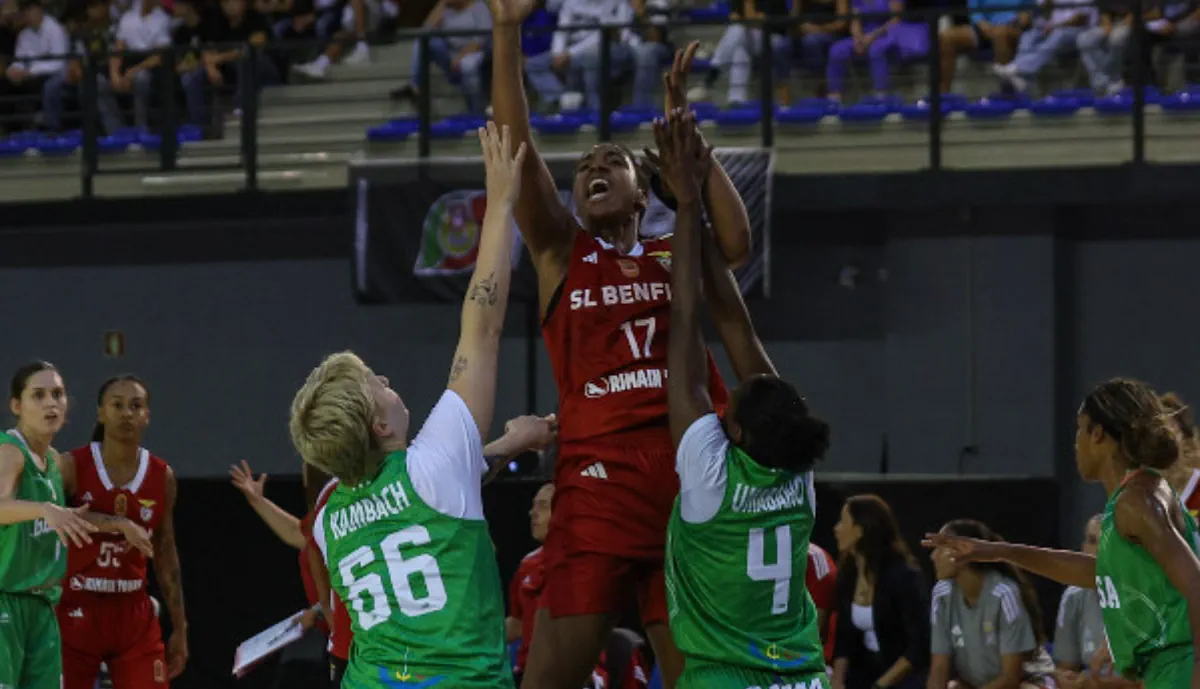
point(48, 40)
point(475, 16)
point(591, 12)
point(143, 32)
point(1065, 11)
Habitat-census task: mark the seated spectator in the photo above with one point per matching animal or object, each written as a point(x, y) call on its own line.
point(1102, 47)
point(1079, 631)
point(142, 30)
point(821, 580)
point(42, 47)
point(815, 35)
point(93, 35)
point(225, 62)
point(575, 53)
point(739, 45)
point(883, 604)
point(878, 37)
point(358, 17)
point(536, 35)
point(999, 29)
point(460, 57)
point(987, 623)
point(11, 23)
point(1051, 37)
point(1173, 21)
point(651, 51)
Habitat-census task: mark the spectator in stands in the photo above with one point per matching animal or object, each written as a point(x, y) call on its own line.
point(10, 26)
point(575, 53)
point(525, 591)
point(187, 34)
point(1052, 36)
point(739, 45)
point(987, 623)
point(40, 53)
point(1172, 21)
point(816, 34)
point(879, 37)
point(651, 51)
point(1079, 632)
point(350, 27)
point(93, 35)
point(460, 57)
point(536, 36)
point(821, 580)
point(1001, 29)
point(1102, 47)
point(883, 604)
point(224, 61)
point(142, 30)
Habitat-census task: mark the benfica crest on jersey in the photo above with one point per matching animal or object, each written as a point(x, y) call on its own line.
point(147, 511)
point(663, 258)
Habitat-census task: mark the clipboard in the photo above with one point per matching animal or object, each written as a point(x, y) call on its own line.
point(266, 643)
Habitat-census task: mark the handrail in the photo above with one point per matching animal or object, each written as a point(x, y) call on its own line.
point(96, 64)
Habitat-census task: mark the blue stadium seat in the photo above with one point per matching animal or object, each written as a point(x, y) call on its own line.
point(1084, 97)
point(189, 133)
point(23, 141)
point(454, 127)
point(829, 105)
point(892, 102)
point(1113, 105)
point(1052, 106)
point(1020, 101)
point(57, 146)
point(988, 109)
point(1153, 95)
point(700, 65)
point(705, 111)
point(11, 149)
point(556, 124)
point(1181, 102)
point(627, 122)
point(920, 111)
point(718, 11)
point(113, 144)
point(799, 115)
point(389, 132)
point(655, 679)
point(864, 112)
point(738, 117)
point(150, 142)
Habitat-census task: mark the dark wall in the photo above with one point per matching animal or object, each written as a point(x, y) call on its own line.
point(239, 579)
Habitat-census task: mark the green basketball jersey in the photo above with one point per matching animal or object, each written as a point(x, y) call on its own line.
point(1144, 615)
point(32, 559)
point(735, 566)
point(422, 588)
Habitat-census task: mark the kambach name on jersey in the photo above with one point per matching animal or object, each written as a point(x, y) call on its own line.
point(612, 295)
point(370, 508)
point(641, 379)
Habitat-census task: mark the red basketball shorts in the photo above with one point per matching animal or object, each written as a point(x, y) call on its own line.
point(120, 631)
point(612, 501)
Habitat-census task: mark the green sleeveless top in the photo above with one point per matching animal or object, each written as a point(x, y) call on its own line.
point(1144, 615)
point(735, 583)
point(33, 560)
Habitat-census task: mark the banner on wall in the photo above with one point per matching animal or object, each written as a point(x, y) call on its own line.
point(417, 225)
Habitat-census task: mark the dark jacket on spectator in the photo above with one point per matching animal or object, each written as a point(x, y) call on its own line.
point(901, 612)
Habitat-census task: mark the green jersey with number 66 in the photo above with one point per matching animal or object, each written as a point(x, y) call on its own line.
point(737, 549)
point(409, 553)
point(33, 560)
point(1145, 616)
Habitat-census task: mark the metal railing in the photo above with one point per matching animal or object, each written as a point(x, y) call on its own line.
point(168, 152)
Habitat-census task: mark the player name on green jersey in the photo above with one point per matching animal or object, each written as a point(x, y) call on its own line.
point(390, 501)
point(748, 499)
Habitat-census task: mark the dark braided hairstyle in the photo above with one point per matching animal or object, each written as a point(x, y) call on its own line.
point(778, 431)
point(1132, 414)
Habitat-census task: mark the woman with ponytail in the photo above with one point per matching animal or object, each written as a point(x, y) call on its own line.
point(1145, 572)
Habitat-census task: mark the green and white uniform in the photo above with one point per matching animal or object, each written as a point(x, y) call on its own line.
point(409, 553)
point(32, 564)
point(737, 549)
point(1145, 617)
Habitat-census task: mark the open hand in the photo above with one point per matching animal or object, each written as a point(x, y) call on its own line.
point(679, 149)
point(533, 432)
point(503, 167)
point(243, 479)
point(138, 537)
point(69, 524)
point(177, 654)
point(675, 79)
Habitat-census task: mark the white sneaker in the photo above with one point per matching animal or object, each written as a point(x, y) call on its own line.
point(313, 70)
point(699, 94)
point(1115, 88)
point(361, 55)
point(571, 100)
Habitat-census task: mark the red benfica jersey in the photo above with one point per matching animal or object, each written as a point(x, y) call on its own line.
point(340, 633)
point(110, 565)
point(821, 580)
point(1191, 494)
point(607, 339)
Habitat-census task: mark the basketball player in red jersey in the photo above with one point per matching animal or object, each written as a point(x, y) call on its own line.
point(604, 298)
point(332, 608)
point(106, 614)
point(821, 580)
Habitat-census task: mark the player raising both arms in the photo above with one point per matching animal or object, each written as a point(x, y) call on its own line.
point(403, 533)
point(604, 299)
point(739, 533)
point(1145, 571)
point(106, 614)
point(35, 527)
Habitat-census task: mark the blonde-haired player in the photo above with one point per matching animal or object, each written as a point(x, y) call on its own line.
point(403, 534)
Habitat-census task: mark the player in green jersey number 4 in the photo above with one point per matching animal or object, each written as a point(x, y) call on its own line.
point(1146, 572)
point(36, 529)
point(403, 534)
point(737, 543)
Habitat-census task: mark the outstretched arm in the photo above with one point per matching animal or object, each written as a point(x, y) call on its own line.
point(473, 374)
point(1143, 517)
point(1064, 566)
point(547, 227)
point(732, 318)
point(284, 524)
point(687, 384)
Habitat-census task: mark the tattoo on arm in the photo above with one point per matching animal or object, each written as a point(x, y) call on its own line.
point(459, 367)
point(485, 292)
